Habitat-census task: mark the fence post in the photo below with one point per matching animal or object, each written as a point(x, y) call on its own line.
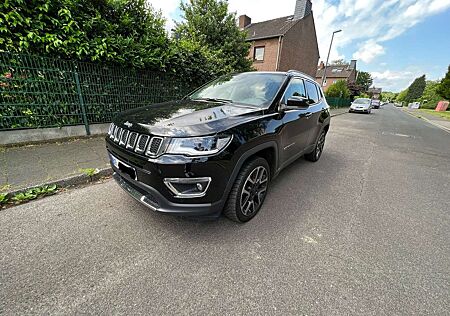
point(80, 97)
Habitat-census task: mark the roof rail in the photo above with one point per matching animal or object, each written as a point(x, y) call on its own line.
point(293, 71)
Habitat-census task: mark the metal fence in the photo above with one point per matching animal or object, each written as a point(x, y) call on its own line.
point(338, 102)
point(49, 92)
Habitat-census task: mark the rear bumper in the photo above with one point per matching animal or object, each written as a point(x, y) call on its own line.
point(152, 199)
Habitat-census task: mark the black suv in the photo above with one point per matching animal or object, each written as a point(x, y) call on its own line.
point(218, 148)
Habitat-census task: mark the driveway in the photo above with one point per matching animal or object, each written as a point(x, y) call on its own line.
point(366, 230)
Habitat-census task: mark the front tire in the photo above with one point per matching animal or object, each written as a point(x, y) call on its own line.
point(318, 148)
point(249, 191)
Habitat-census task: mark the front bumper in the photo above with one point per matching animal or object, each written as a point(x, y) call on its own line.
point(359, 110)
point(146, 182)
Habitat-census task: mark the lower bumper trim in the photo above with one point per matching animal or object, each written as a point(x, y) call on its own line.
point(156, 202)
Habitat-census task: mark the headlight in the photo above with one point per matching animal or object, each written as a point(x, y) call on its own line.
point(198, 146)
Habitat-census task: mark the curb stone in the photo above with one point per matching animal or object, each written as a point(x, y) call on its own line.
point(71, 181)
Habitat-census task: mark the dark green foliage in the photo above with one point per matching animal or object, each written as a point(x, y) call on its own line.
point(430, 97)
point(415, 90)
point(42, 92)
point(338, 90)
point(444, 87)
point(364, 80)
point(209, 24)
point(114, 31)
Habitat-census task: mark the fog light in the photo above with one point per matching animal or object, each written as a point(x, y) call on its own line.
point(188, 187)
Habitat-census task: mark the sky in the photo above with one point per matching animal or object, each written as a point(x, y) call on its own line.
point(395, 40)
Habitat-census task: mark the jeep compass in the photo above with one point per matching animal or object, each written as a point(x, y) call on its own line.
point(217, 149)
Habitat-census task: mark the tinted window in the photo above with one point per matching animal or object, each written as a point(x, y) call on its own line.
point(296, 88)
point(312, 92)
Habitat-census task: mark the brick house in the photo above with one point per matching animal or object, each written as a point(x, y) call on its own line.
point(284, 43)
point(336, 72)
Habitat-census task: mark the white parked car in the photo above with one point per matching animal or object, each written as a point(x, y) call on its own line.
point(363, 105)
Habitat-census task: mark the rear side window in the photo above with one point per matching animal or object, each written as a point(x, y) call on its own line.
point(313, 96)
point(296, 88)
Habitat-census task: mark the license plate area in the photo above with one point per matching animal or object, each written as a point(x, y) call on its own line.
point(123, 167)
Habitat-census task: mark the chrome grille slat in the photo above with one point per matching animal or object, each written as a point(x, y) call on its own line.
point(142, 143)
point(154, 146)
point(132, 139)
point(117, 134)
point(111, 135)
point(124, 137)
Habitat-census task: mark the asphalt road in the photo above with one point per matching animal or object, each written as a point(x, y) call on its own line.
point(366, 230)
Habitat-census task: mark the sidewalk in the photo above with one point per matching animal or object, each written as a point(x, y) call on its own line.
point(27, 166)
point(430, 118)
point(32, 165)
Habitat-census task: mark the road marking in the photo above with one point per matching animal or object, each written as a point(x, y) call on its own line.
point(397, 134)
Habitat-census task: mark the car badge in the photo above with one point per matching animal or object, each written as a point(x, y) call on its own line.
point(128, 124)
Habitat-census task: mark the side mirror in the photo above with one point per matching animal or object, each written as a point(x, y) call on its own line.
point(297, 102)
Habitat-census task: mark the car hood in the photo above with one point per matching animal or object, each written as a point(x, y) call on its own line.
point(186, 118)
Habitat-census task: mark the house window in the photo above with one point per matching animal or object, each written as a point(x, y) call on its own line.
point(259, 53)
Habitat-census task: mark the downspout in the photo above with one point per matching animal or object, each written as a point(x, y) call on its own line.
point(280, 43)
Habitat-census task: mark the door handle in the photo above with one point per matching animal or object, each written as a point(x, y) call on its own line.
point(308, 115)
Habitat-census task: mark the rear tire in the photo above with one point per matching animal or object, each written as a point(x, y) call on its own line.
point(318, 148)
point(249, 191)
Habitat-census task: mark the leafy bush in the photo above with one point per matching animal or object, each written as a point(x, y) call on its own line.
point(338, 89)
point(430, 97)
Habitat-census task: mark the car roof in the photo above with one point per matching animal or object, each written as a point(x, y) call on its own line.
point(287, 73)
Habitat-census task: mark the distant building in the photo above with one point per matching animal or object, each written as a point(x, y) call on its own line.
point(334, 73)
point(284, 43)
point(375, 93)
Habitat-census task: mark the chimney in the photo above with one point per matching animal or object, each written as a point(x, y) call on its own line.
point(321, 65)
point(244, 21)
point(302, 9)
point(352, 64)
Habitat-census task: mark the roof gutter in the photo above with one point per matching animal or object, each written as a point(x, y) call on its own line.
point(280, 43)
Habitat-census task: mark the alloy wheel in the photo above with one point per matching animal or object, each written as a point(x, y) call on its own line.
point(254, 191)
point(320, 144)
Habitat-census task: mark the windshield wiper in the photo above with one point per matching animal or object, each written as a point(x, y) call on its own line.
point(213, 100)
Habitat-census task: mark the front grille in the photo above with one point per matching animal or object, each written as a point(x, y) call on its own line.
point(155, 145)
point(142, 143)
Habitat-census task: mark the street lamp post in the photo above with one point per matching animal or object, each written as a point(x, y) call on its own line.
point(329, 50)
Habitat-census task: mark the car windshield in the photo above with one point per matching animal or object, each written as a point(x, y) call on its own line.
point(361, 101)
point(254, 89)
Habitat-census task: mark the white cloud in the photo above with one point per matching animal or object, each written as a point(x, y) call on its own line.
point(368, 51)
point(395, 80)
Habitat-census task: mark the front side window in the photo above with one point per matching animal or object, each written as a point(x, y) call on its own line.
point(251, 88)
point(259, 53)
point(313, 96)
point(296, 88)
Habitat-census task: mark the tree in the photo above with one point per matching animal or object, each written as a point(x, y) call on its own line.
point(208, 23)
point(430, 97)
point(388, 96)
point(444, 87)
point(415, 90)
point(127, 32)
point(339, 62)
point(364, 80)
point(338, 90)
point(401, 97)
